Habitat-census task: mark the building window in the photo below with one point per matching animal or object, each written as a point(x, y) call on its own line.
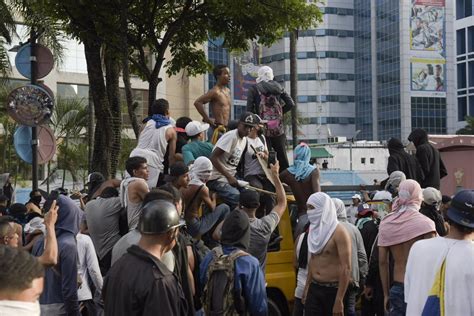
point(471, 105)
point(461, 75)
point(470, 39)
point(372, 160)
point(461, 41)
point(462, 109)
point(471, 73)
point(362, 160)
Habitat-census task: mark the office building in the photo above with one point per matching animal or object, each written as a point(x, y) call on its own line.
point(404, 69)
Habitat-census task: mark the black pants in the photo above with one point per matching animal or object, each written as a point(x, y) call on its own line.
point(320, 300)
point(105, 263)
point(278, 144)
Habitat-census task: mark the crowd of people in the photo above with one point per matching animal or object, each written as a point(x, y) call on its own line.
point(187, 231)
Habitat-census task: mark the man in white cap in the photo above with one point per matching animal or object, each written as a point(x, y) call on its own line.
point(329, 268)
point(197, 147)
point(431, 200)
point(352, 210)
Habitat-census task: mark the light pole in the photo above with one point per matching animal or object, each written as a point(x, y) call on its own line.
point(350, 147)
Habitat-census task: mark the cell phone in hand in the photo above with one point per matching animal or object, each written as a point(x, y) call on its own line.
point(53, 196)
point(271, 158)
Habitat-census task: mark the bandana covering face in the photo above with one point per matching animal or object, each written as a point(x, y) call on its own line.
point(200, 171)
point(160, 120)
point(265, 73)
point(405, 222)
point(323, 221)
point(301, 168)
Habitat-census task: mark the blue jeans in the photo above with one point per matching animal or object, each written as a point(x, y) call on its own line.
point(229, 194)
point(200, 226)
point(398, 307)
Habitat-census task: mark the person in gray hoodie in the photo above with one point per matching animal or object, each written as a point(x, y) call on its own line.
point(60, 281)
point(266, 87)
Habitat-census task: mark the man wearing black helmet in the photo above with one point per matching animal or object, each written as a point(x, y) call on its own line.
point(444, 263)
point(139, 283)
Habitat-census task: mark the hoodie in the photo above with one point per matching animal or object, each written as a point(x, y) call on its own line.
point(400, 160)
point(60, 285)
point(429, 159)
point(267, 87)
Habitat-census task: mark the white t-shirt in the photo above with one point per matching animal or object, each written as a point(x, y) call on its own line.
point(252, 165)
point(233, 147)
point(424, 261)
point(302, 272)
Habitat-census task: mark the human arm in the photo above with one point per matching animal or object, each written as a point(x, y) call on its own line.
point(207, 198)
point(423, 157)
point(315, 181)
point(252, 282)
point(50, 253)
point(289, 103)
point(171, 137)
point(384, 273)
point(343, 244)
point(199, 104)
point(137, 190)
point(191, 263)
point(251, 98)
point(114, 183)
point(280, 206)
point(68, 264)
point(188, 156)
point(216, 162)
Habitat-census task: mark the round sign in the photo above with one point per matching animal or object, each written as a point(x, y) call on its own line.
point(44, 61)
point(30, 105)
point(46, 143)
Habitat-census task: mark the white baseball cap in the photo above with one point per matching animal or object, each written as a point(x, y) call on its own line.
point(195, 127)
point(357, 196)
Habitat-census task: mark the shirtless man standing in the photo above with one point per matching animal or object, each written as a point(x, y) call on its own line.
point(398, 232)
point(329, 268)
point(218, 98)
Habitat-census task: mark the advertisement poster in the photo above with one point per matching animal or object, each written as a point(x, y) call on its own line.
point(245, 70)
point(427, 74)
point(427, 26)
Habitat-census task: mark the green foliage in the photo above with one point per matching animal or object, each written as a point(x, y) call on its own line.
point(69, 118)
point(469, 128)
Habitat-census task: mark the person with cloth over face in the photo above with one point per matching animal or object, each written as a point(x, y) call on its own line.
point(329, 268)
point(398, 231)
point(60, 281)
point(249, 278)
point(429, 159)
point(400, 160)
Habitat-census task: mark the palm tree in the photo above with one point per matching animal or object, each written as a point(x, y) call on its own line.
point(7, 29)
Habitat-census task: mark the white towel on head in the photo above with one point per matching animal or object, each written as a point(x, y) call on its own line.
point(323, 221)
point(200, 171)
point(265, 73)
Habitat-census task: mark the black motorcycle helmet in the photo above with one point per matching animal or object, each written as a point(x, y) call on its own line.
point(158, 217)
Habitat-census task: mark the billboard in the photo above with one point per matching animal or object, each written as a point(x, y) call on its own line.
point(428, 74)
point(245, 70)
point(427, 26)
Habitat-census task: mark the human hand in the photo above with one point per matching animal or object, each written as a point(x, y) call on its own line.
point(210, 121)
point(233, 182)
point(368, 292)
point(262, 155)
point(338, 308)
point(386, 303)
point(52, 215)
point(275, 168)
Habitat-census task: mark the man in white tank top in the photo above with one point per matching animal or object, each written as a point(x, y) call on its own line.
point(154, 139)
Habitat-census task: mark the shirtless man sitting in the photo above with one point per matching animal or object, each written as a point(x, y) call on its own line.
point(329, 268)
point(219, 100)
point(134, 189)
point(398, 231)
point(197, 195)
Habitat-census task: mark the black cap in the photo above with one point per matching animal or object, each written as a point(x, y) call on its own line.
point(95, 177)
point(249, 199)
point(158, 217)
point(251, 119)
point(461, 210)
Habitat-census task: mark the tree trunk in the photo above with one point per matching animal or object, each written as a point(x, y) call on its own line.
point(112, 74)
point(103, 132)
point(294, 86)
point(152, 87)
point(90, 133)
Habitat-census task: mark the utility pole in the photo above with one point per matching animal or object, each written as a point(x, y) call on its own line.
point(34, 132)
point(294, 86)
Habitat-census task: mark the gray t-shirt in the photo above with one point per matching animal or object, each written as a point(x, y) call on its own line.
point(102, 217)
point(132, 238)
point(252, 165)
point(260, 232)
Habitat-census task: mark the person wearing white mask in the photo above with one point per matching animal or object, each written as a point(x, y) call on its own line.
point(329, 268)
point(269, 100)
point(21, 282)
point(197, 195)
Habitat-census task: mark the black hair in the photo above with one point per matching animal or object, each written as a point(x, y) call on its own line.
point(173, 191)
point(160, 106)
point(18, 269)
point(157, 194)
point(217, 71)
point(17, 209)
point(109, 192)
point(32, 193)
point(461, 228)
point(183, 121)
point(133, 163)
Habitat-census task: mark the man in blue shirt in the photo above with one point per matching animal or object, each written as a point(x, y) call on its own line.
point(249, 278)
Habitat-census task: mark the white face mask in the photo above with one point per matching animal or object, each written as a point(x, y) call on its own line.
point(19, 308)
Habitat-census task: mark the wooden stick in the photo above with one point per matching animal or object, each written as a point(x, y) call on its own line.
point(261, 190)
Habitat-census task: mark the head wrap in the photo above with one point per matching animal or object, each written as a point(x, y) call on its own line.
point(323, 221)
point(236, 230)
point(160, 120)
point(265, 73)
point(301, 168)
point(340, 210)
point(405, 222)
point(200, 171)
point(394, 145)
point(394, 180)
point(418, 137)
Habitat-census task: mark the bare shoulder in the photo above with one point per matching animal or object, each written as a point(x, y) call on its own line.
point(341, 234)
point(138, 185)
